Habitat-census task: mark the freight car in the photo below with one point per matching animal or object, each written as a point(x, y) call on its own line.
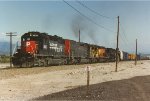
point(123, 56)
point(41, 49)
point(131, 56)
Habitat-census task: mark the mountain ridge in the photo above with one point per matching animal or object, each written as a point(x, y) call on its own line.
point(5, 48)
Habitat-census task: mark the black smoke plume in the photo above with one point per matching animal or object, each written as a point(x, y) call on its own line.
point(86, 28)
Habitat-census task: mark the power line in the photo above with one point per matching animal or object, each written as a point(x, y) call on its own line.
point(93, 10)
point(126, 37)
point(123, 32)
point(89, 19)
point(125, 42)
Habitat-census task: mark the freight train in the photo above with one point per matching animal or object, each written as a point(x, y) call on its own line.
point(41, 49)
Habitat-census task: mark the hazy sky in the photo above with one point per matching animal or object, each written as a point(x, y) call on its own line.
point(58, 18)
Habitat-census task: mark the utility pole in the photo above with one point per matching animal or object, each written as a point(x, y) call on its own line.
point(10, 35)
point(79, 35)
point(117, 46)
point(136, 53)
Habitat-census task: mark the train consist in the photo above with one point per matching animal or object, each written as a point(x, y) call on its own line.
point(41, 49)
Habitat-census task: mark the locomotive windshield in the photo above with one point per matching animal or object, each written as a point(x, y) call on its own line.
point(30, 37)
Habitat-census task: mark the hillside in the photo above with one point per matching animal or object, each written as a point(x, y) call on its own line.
point(4, 48)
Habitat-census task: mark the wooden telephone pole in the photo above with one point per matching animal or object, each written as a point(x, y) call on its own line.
point(10, 35)
point(136, 53)
point(117, 49)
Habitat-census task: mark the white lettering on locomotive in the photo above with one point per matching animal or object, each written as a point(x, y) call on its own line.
point(45, 46)
point(27, 44)
point(55, 47)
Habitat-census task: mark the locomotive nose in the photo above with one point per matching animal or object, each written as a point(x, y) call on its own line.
point(30, 47)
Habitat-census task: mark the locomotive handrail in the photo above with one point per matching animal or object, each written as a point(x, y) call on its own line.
point(16, 47)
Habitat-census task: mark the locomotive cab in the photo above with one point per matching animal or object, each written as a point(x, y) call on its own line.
point(34, 43)
point(29, 43)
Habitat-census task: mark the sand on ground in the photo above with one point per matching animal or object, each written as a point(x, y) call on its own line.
point(30, 83)
point(4, 65)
